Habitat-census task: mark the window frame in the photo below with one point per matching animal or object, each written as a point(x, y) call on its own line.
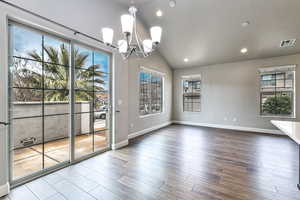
point(195, 78)
point(278, 70)
point(157, 74)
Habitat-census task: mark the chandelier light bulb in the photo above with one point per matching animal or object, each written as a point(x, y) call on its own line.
point(107, 34)
point(156, 34)
point(123, 47)
point(127, 23)
point(147, 45)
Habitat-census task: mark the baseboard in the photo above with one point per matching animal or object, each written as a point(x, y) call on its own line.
point(148, 130)
point(231, 127)
point(4, 189)
point(119, 145)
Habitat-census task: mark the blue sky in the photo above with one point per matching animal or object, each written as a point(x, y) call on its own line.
point(144, 76)
point(25, 41)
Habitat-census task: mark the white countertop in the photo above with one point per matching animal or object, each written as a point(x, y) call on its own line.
point(292, 129)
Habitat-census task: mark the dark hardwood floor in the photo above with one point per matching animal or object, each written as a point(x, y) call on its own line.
point(180, 162)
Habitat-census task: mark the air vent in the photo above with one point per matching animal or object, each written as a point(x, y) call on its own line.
point(288, 43)
point(28, 141)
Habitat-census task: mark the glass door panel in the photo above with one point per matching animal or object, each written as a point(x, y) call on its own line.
point(101, 121)
point(92, 101)
point(83, 84)
point(26, 96)
point(26, 146)
point(39, 101)
point(83, 132)
point(102, 100)
point(101, 107)
point(56, 141)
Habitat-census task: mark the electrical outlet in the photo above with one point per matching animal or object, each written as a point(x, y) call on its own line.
point(225, 118)
point(234, 119)
point(131, 125)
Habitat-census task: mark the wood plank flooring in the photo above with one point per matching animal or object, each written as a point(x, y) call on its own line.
point(179, 162)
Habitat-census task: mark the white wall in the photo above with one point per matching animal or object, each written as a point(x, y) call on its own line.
point(88, 17)
point(230, 91)
point(136, 122)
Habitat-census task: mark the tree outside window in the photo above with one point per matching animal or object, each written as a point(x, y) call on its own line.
point(277, 92)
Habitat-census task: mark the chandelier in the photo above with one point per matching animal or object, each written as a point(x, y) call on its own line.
point(132, 42)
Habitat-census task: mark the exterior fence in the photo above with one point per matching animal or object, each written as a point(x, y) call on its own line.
point(56, 126)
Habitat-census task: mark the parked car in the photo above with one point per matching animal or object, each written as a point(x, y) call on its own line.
point(103, 107)
point(100, 115)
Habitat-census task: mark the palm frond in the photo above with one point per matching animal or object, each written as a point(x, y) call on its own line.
point(56, 75)
point(52, 53)
point(34, 55)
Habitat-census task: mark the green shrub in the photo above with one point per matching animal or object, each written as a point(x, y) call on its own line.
point(280, 105)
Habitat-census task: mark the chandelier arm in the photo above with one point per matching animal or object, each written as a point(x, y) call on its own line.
point(132, 50)
point(128, 37)
point(128, 40)
point(126, 55)
point(136, 36)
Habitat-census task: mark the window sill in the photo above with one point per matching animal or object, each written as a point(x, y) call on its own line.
point(280, 117)
point(150, 115)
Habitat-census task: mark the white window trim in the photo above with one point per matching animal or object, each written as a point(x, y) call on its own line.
point(142, 68)
point(281, 68)
point(150, 115)
point(146, 69)
point(191, 77)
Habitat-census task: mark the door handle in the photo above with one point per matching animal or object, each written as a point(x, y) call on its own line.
point(118, 111)
point(4, 123)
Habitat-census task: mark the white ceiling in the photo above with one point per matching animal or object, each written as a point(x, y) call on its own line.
point(209, 31)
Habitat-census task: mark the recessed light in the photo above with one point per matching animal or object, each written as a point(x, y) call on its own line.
point(172, 3)
point(159, 13)
point(244, 50)
point(245, 23)
point(186, 60)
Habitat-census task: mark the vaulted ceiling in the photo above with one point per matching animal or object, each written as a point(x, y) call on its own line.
point(210, 31)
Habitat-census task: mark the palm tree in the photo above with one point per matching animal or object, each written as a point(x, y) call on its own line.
point(56, 75)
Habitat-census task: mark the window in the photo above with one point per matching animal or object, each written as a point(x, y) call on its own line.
point(191, 94)
point(151, 92)
point(277, 91)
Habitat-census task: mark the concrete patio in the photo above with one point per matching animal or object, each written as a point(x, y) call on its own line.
point(29, 160)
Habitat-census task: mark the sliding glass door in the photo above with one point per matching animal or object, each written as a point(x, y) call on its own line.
point(42, 112)
point(91, 100)
point(39, 100)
